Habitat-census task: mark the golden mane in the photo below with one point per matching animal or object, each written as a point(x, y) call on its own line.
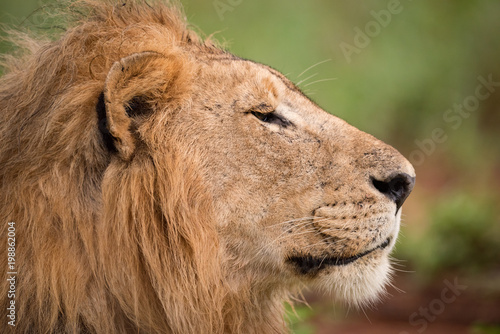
point(55, 183)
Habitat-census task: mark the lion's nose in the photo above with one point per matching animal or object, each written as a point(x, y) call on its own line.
point(396, 187)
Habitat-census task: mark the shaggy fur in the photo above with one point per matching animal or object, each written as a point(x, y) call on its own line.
point(142, 206)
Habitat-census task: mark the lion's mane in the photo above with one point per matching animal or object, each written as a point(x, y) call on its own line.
point(150, 261)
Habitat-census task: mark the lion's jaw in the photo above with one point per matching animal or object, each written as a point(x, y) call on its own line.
point(363, 279)
point(296, 188)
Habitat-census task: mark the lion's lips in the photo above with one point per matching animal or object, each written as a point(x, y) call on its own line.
point(309, 264)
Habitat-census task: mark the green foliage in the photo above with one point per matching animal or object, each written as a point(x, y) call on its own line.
point(485, 329)
point(462, 236)
point(299, 318)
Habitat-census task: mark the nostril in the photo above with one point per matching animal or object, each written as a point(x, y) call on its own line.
point(381, 186)
point(396, 187)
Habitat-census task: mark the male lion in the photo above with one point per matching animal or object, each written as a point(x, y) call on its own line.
point(152, 182)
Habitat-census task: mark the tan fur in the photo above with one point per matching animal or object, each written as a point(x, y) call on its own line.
point(189, 226)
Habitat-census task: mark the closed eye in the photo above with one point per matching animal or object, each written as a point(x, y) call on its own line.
point(272, 118)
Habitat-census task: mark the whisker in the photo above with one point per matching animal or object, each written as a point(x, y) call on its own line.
point(295, 234)
point(321, 242)
point(404, 271)
point(397, 261)
point(366, 315)
point(292, 221)
point(313, 66)
point(320, 80)
point(323, 260)
point(394, 263)
point(281, 237)
point(304, 80)
point(332, 229)
point(395, 287)
point(302, 223)
point(302, 226)
point(312, 245)
point(297, 226)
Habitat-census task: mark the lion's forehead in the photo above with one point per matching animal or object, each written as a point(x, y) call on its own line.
point(257, 83)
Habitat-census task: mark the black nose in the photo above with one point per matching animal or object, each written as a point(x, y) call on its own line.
point(396, 187)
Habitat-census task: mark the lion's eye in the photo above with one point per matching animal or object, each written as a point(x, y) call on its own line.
point(263, 117)
point(272, 118)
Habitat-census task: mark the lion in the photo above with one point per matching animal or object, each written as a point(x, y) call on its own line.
point(153, 182)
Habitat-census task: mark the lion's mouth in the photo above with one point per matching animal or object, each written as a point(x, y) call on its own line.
point(309, 264)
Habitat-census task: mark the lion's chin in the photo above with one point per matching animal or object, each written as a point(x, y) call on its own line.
point(360, 283)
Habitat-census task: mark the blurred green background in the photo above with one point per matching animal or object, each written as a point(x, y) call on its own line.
point(423, 76)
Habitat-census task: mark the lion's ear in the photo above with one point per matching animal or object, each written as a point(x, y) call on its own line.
point(132, 84)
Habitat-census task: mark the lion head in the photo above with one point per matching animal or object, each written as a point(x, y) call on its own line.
point(159, 184)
